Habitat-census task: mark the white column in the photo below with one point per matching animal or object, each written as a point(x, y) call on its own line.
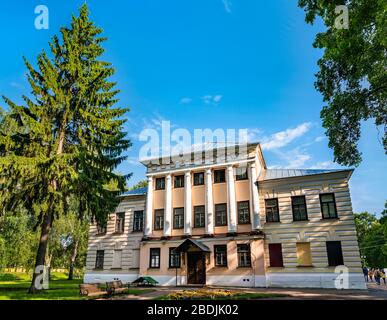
point(168, 206)
point(187, 204)
point(209, 204)
point(149, 209)
point(255, 212)
point(231, 204)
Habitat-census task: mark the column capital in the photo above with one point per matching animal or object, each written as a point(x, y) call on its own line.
point(187, 172)
point(149, 178)
point(252, 164)
point(230, 167)
point(208, 171)
point(168, 176)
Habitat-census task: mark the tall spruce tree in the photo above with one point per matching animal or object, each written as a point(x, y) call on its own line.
point(67, 138)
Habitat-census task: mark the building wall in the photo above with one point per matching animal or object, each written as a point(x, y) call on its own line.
point(242, 193)
point(128, 242)
point(198, 199)
point(225, 276)
point(316, 231)
point(177, 202)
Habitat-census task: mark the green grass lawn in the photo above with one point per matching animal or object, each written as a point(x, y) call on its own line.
point(14, 286)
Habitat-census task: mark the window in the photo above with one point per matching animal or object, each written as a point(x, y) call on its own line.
point(219, 176)
point(178, 218)
point(244, 257)
point(120, 222)
point(160, 183)
point(275, 255)
point(178, 181)
point(154, 261)
point(335, 253)
point(101, 229)
point(117, 259)
point(304, 256)
point(99, 259)
point(272, 211)
point(243, 212)
point(241, 173)
point(199, 217)
point(138, 220)
point(174, 258)
point(328, 206)
point(159, 219)
point(220, 215)
point(299, 208)
point(198, 178)
point(220, 255)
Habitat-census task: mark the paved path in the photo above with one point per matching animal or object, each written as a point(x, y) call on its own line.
point(374, 292)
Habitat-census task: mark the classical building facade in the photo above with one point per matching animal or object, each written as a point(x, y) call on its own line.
point(231, 221)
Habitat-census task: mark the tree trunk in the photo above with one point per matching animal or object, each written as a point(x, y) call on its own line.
point(36, 284)
point(72, 261)
point(48, 219)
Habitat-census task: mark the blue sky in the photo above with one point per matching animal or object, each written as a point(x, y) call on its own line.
point(207, 64)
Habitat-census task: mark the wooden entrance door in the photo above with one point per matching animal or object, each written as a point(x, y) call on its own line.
point(196, 268)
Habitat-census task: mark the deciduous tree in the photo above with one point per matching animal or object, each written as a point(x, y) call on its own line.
point(352, 77)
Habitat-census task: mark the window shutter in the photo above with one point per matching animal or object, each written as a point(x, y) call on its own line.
point(304, 256)
point(275, 255)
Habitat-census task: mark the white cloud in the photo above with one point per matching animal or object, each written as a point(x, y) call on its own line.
point(253, 134)
point(156, 122)
point(212, 99)
point(217, 98)
point(323, 165)
point(318, 139)
point(207, 99)
point(298, 161)
point(293, 159)
point(227, 5)
point(283, 138)
point(326, 165)
point(185, 100)
point(153, 123)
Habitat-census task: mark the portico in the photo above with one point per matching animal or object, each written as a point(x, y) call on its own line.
point(182, 197)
